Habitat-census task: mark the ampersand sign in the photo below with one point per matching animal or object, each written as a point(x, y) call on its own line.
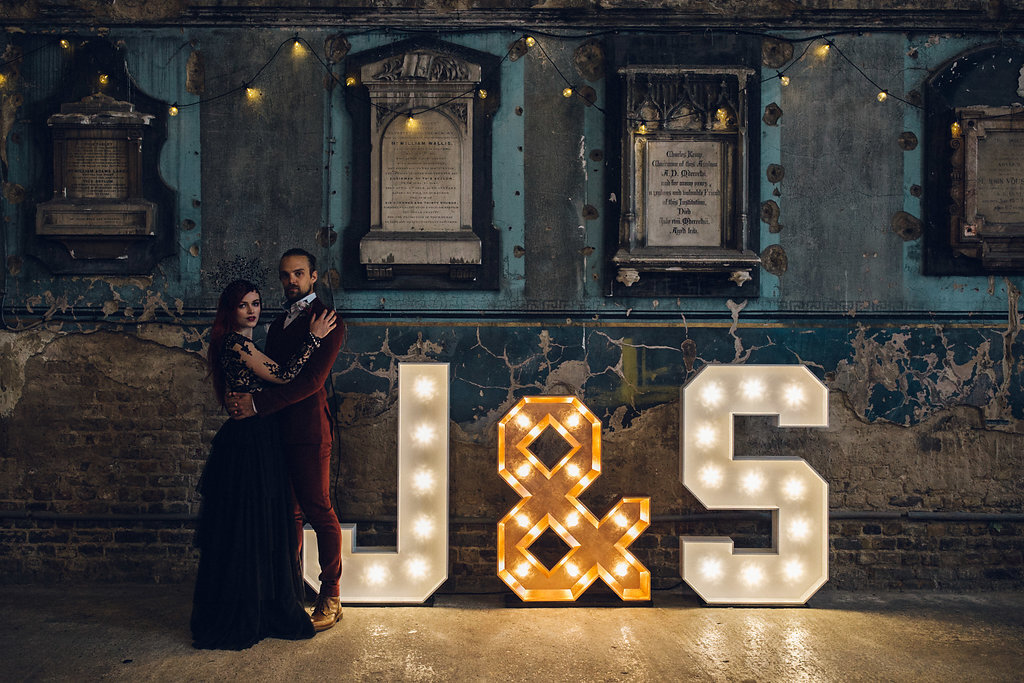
point(597, 548)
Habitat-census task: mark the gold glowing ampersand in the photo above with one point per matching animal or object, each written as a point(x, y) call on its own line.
point(597, 548)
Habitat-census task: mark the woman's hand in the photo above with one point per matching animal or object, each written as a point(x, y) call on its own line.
point(321, 325)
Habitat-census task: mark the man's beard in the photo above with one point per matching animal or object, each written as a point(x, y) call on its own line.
point(299, 294)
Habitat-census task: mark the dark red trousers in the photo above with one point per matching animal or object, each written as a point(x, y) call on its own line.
point(309, 467)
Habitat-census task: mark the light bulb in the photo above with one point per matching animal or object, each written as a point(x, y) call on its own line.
point(566, 92)
point(423, 481)
point(573, 420)
point(955, 130)
point(794, 395)
point(523, 470)
point(252, 93)
point(793, 570)
point(753, 482)
point(482, 94)
point(621, 520)
point(882, 96)
point(711, 476)
point(350, 81)
point(416, 568)
point(104, 79)
point(572, 570)
point(65, 43)
point(423, 527)
point(752, 575)
point(523, 520)
point(572, 519)
point(522, 569)
point(705, 436)
point(711, 395)
point(424, 388)
point(800, 529)
point(642, 129)
point(793, 489)
point(711, 568)
point(784, 80)
point(573, 470)
point(424, 434)
point(822, 50)
point(620, 569)
point(523, 420)
point(172, 110)
point(752, 389)
point(376, 574)
point(530, 42)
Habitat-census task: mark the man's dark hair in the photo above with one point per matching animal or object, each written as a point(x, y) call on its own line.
point(301, 252)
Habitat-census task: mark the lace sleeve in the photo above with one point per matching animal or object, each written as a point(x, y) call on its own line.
point(265, 368)
point(293, 367)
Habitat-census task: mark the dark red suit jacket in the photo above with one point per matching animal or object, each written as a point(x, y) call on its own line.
point(302, 403)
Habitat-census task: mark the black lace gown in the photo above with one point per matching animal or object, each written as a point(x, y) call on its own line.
point(248, 586)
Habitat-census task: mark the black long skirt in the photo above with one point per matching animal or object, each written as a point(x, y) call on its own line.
point(248, 586)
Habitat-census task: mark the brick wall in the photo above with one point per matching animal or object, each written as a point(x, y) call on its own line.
point(104, 445)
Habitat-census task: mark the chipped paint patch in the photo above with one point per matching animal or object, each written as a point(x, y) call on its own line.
point(15, 351)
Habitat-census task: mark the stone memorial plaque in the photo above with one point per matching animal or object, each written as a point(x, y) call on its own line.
point(427, 195)
point(683, 192)
point(96, 168)
point(1000, 177)
point(421, 175)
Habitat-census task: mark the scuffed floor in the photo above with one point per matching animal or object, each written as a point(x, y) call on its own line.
point(141, 633)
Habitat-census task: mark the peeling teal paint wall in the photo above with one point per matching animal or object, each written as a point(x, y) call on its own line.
point(850, 277)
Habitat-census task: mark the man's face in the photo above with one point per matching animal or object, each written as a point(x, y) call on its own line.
point(296, 278)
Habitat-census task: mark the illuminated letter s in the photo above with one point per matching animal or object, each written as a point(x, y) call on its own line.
point(797, 565)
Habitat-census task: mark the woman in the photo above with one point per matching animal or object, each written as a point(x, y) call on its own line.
point(248, 586)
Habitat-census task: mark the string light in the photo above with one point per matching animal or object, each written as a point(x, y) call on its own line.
point(297, 49)
point(350, 81)
point(65, 43)
point(482, 94)
point(822, 50)
point(530, 41)
point(784, 80)
point(252, 93)
point(104, 79)
point(642, 129)
point(882, 96)
point(172, 110)
point(567, 92)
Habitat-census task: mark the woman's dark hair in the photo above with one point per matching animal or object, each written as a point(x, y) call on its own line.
point(223, 323)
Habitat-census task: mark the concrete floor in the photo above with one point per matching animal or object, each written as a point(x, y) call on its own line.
point(141, 633)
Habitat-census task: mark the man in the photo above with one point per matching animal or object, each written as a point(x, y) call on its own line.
point(305, 422)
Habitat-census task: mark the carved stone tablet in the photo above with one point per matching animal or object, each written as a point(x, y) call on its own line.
point(683, 185)
point(96, 168)
point(1000, 179)
point(421, 175)
point(421, 169)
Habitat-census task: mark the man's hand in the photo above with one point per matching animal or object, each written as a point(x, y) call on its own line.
point(240, 406)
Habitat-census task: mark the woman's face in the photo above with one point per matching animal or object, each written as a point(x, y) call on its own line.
point(248, 312)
